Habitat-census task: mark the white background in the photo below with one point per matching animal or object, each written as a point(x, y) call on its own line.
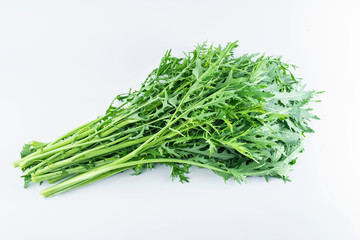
point(62, 62)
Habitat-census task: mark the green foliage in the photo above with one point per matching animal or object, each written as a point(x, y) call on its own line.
point(26, 150)
point(237, 116)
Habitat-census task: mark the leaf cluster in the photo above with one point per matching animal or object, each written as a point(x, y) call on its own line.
point(237, 116)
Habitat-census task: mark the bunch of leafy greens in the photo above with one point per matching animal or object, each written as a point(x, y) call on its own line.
point(237, 116)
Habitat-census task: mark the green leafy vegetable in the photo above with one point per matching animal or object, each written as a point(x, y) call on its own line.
point(236, 116)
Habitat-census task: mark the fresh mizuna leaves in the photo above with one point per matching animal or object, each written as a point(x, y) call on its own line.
point(26, 150)
point(238, 116)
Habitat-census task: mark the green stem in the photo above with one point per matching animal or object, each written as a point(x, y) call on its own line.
point(45, 152)
point(84, 156)
point(49, 145)
point(38, 177)
point(70, 146)
point(91, 176)
point(62, 174)
point(48, 192)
